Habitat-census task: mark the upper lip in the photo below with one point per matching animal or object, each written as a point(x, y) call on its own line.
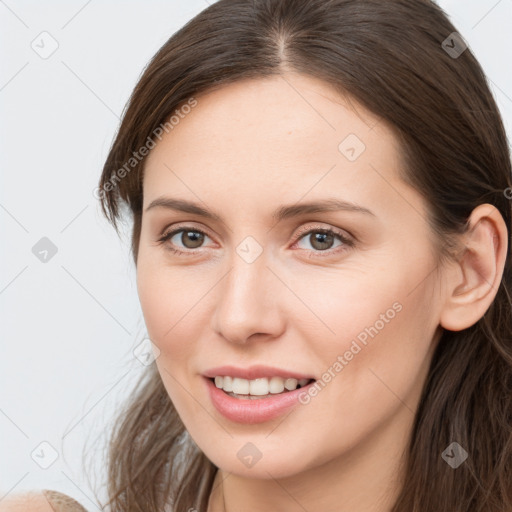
point(254, 372)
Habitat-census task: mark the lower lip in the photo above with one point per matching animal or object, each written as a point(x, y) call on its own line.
point(253, 410)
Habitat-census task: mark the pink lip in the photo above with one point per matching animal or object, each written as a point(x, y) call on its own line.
point(252, 411)
point(254, 372)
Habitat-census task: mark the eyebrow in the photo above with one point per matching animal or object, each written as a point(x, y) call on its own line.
point(281, 213)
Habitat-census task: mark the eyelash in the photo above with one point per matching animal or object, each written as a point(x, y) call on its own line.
point(347, 243)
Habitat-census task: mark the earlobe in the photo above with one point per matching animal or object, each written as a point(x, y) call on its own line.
point(473, 282)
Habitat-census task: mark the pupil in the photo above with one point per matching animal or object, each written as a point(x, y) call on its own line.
point(322, 238)
point(196, 237)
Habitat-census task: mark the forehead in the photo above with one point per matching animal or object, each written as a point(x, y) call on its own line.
point(284, 136)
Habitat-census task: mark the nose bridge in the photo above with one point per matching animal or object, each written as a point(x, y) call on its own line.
point(247, 296)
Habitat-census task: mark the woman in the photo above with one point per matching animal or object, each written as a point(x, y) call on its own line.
point(398, 307)
point(319, 193)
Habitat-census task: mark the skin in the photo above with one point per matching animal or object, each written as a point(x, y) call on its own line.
point(33, 501)
point(244, 150)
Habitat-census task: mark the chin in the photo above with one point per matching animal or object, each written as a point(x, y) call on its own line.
point(261, 459)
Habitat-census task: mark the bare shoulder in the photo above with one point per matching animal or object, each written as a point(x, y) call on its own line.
point(33, 501)
point(40, 501)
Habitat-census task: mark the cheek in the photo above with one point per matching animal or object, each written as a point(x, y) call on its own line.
point(379, 295)
point(162, 310)
point(348, 306)
point(164, 305)
point(152, 301)
point(376, 323)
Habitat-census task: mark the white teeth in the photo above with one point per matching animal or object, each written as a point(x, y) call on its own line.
point(227, 384)
point(290, 384)
point(258, 387)
point(276, 385)
point(240, 386)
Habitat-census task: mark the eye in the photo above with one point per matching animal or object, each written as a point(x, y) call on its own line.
point(191, 238)
point(322, 239)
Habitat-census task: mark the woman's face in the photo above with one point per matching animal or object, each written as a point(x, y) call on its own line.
point(356, 309)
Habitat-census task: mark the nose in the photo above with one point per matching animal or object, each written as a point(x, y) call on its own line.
point(248, 304)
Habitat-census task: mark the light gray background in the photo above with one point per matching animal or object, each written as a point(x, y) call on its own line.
point(69, 325)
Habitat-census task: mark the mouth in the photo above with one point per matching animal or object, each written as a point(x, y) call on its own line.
point(251, 408)
point(257, 389)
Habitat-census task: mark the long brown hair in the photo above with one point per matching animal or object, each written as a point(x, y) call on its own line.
point(401, 60)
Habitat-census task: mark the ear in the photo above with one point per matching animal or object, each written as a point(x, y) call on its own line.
point(473, 281)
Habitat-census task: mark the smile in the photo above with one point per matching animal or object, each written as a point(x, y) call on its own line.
point(244, 388)
point(248, 408)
